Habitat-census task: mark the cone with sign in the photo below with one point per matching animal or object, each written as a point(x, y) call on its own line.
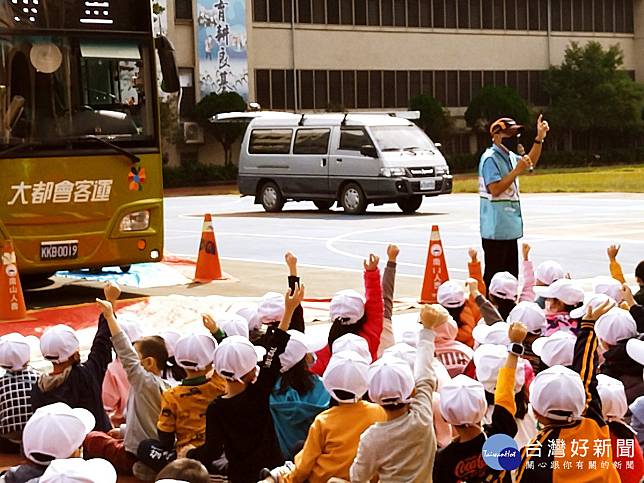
point(12, 301)
point(435, 270)
point(208, 266)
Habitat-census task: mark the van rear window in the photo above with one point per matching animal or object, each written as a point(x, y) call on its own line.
point(311, 141)
point(270, 141)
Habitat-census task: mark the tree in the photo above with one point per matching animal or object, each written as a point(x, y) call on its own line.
point(224, 132)
point(434, 119)
point(590, 94)
point(494, 102)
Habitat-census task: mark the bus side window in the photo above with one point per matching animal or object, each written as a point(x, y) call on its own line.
point(353, 139)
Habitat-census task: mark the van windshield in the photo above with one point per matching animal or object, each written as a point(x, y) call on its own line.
point(401, 138)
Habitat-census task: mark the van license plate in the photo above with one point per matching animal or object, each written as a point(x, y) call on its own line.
point(59, 250)
point(427, 184)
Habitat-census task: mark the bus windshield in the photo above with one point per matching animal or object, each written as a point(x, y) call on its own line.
point(75, 88)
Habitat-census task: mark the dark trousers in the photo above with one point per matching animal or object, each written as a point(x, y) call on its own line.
point(152, 454)
point(500, 256)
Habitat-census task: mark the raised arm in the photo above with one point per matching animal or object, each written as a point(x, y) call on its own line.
point(474, 269)
point(100, 354)
point(527, 291)
point(488, 311)
point(374, 305)
point(614, 266)
point(388, 285)
point(297, 320)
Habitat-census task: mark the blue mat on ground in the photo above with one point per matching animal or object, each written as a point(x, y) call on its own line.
point(141, 275)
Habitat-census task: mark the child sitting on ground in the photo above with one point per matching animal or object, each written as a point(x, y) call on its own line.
point(403, 447)
point(15, 390)
point(562, 297)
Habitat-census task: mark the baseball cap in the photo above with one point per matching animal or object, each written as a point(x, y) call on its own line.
point(78, 470)
point(298, 346)
point(489, 359)
point(462, 401)
point(549, 271)
point(354, 343)
point(492, 334)
point(271, 308)
point(391, 381)
point(505, 124)
point(608, 286)
point(56, 431)
point(564, 289)
point(635, 350)
point(613, 397)
point(236, 356)
point(556, 349)
point(530, 314)
point(195, 351)
point(170, 337)
point(233, 324)
point(347, 306)
point(59, 343)
point(558, 393)
point(615, 325)
point(14, 351)
point(249, 312)
point(594, 301)
point(504, 285)
point(451, 294)
point(446, 332)
point(402, 351)
point(347, 371)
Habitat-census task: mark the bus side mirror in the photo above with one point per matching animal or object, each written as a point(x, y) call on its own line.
point(369, 151)
point(168, 63)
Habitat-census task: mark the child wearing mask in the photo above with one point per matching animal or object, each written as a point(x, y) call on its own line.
point(562, 297)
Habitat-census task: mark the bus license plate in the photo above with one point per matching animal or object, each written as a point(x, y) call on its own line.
point(427, 184)
point(59, 250)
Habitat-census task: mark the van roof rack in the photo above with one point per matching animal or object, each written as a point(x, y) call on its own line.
point(301, 122)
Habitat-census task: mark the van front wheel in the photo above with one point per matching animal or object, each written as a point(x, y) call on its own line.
point(353, 199)
point(410, 205)
point(271, 197)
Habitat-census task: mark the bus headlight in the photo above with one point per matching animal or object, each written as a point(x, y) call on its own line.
point(392, 172)
point(137, 221)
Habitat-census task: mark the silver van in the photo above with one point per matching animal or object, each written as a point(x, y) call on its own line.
point(354, 159)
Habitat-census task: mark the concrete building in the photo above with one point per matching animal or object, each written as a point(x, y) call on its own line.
point(376, 54)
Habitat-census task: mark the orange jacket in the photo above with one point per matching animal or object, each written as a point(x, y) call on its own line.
point(470, 315)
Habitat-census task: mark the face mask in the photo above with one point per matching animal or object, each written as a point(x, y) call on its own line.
point(510, 143)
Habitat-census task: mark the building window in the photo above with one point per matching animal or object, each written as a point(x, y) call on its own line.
point(319, 13)
point(387, 12)
point(363, 89)
point(346, 12)
point(303, 10)
point(275, 11)
point(360, 12)
point(278, 89)
point(413, 13)
point(260, 13)
point(188, 99)
point(263, 88)
point(373, 12)
point(183, 9)
point(306, 89)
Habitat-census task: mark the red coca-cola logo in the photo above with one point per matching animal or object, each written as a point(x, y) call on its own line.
point(470, 467)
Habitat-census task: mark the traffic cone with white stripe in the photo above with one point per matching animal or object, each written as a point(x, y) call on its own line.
point(208, 266)
point(12, 301)
point(435, 269)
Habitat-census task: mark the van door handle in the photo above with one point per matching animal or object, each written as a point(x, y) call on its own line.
point(339, 160)
point(323, 163)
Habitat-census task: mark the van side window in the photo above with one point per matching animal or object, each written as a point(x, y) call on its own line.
point(354, 139)
point(311, 141)
point(270, 141)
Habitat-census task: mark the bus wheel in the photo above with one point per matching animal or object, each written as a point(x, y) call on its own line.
point(271, 197)
point(410, 205)
point(323, 205)
point(353, 199)
point(125, 268)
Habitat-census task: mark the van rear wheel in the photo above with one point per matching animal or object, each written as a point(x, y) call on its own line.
point(353, 199)
point(271, 197)
point(410, 205)
point(323, 205)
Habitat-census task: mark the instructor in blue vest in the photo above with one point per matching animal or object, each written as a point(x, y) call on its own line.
point(499, 170)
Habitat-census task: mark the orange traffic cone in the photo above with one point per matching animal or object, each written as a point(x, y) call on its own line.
point(12, 301)
point(435, 270)
point(208, 266)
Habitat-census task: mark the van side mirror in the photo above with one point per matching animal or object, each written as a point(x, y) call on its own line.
point(168, 64)
point(369, 151)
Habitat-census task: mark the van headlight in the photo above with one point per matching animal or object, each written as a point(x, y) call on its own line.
point(137, 221)
point(392, 172)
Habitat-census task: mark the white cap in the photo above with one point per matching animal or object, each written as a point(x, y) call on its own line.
point(613, 397)
point(564, 289)
point(615, 325)
point(131, 327)
point(249, 312)
point(298, 346)
point(462, 401)
point(391, 381)
point(236, 356)
point(347, 305)
point(558, 393)
point(531, 315)
point(557, 349)
point(446, 332)
point(233, 324)
point(635, 350)
point(608, 286)
point(489, 359)
point(14, 351)
point(59, 343)
point(170, 337)
point(78, 470)
point(451, 294)
point(492, 334)
point(347, 371)
point(195, 351)
point(354, 343)
point(548, 272)
point(504, 285)
point(403, 351)
point(594, 301)
point(56, 431)
point(270, 309)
